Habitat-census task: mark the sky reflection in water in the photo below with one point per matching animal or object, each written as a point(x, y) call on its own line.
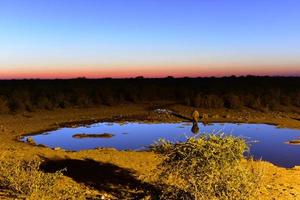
point(137, 136)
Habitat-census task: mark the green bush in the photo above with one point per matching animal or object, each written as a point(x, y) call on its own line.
point(207, 167)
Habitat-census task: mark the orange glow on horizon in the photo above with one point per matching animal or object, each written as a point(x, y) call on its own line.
point(150, 72)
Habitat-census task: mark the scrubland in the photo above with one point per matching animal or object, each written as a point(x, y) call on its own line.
point(169, 171)
point(259, 93)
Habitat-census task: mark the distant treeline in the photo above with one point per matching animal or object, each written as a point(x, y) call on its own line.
point(263, 93)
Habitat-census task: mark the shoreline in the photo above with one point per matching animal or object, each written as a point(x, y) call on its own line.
point(14, 126)
point(287, 122)
point(149, 117)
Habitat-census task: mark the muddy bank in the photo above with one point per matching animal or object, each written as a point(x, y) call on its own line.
point(294, 142)
point(84, 135)
point(148, 114)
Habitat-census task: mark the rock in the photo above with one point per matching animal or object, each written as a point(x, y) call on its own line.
point(295, 142)
point(57, 148)
point(162, 111)
point(297, 167)
point(30, 141)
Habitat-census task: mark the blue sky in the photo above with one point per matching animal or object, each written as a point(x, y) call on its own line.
point(97, 38)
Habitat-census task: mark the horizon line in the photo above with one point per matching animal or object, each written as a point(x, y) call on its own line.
point(163, 77)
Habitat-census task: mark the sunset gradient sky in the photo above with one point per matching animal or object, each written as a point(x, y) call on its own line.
point(152, 38)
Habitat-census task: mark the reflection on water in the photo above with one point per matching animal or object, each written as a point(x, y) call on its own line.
point(138, 136)
point(195, 128)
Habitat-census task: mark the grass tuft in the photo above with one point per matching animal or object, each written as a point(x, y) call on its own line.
point(23, 179)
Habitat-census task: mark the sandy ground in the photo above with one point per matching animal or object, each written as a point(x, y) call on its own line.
point(120, 174)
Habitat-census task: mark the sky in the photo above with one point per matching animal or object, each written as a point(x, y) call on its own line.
point(150, 38)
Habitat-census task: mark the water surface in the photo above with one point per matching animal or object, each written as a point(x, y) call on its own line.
point(138, 136)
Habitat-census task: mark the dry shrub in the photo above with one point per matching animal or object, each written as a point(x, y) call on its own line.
point(207, 167)
point(3, 105)
point(23, 179)
point(233, 101)
point(208, 101)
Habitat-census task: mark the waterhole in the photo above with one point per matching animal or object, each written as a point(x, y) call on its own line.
point(267, 142)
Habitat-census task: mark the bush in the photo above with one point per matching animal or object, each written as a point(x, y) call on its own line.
point(233, 101)
point(3, 106)
point(44, 103)
point(285, 100)
point(208, 101)
point(20, 100)
point(296, 99)
point(260, 93)
point(60, 100)
point(16, 105)
point(23, 179)
point(208, 167)
point(197, 101)
point(215, 101)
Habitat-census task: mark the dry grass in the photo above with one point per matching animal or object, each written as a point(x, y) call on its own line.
point(207, 167)
point(280, 183)
point(23, 179)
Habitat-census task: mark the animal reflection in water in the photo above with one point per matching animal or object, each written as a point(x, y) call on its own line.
point(195, 128)
point(195, 117)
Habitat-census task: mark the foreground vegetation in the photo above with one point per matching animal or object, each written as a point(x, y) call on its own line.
point(207, 167)
point(261, 93)
point(126, 174)
point(23, 179)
